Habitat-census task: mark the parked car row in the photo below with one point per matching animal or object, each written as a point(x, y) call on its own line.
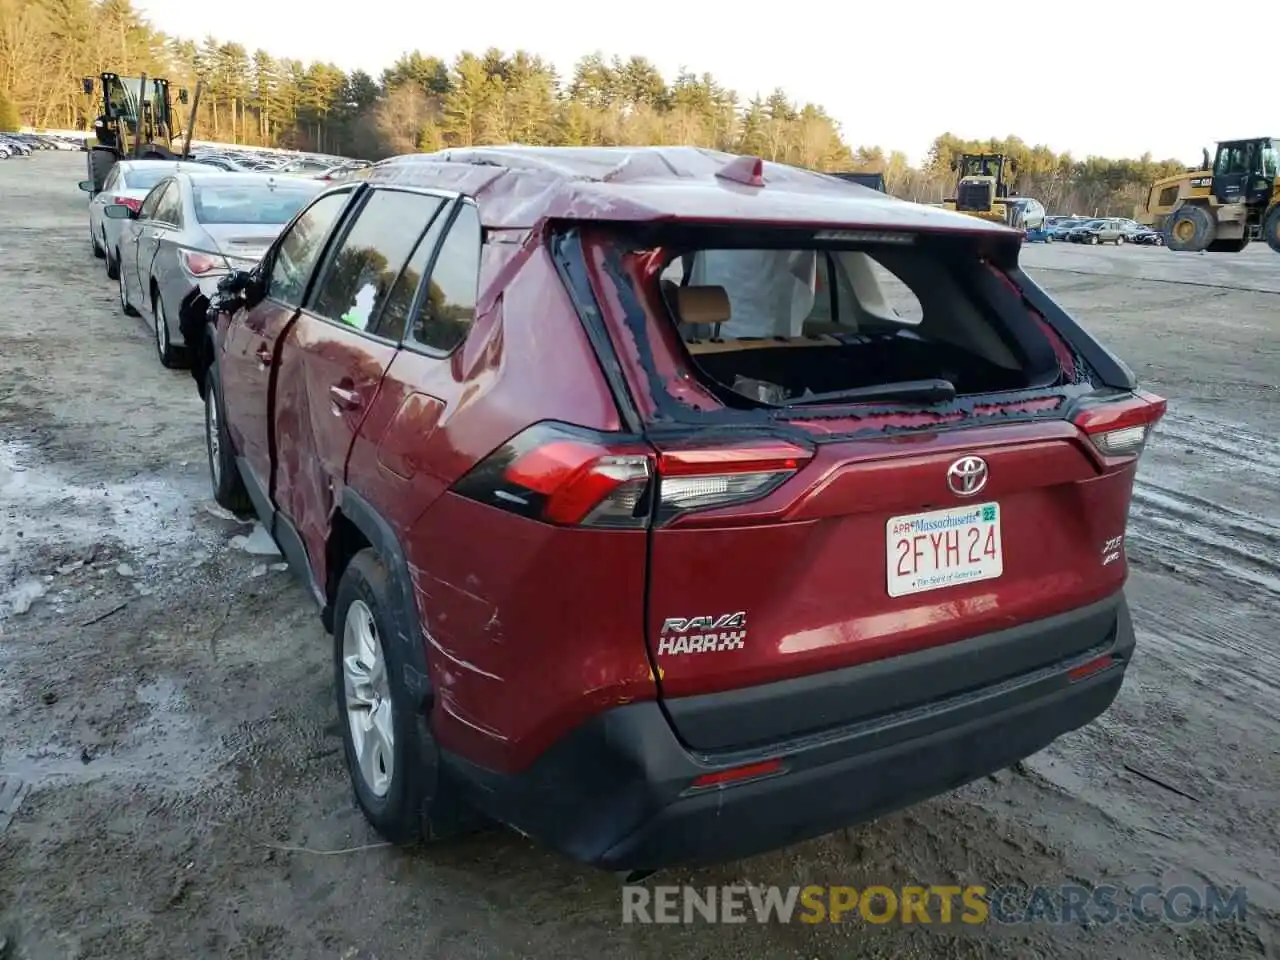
point(1095, 230)
point(14, 144)
point(447, 394)
point(168, 231)
point(241, 159)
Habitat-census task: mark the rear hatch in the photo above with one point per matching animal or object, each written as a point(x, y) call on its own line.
point(866, 445)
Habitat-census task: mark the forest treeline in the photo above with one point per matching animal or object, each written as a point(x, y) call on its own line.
point(421, 102)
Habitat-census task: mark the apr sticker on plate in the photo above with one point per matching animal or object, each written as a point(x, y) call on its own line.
point(928, 551)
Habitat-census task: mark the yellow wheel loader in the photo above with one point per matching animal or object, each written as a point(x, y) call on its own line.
point(1222, 206)
point(982, 188)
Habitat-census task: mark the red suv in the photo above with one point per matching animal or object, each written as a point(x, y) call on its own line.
point(670, 506)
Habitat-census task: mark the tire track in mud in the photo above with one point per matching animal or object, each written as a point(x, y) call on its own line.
point(1182, 523)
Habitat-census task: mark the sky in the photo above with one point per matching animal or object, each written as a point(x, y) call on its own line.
point(1090, 76)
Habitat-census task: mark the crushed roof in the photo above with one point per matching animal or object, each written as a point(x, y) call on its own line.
point(518, 187)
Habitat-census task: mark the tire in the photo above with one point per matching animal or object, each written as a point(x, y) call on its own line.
point(1119, 239)
point(113, 266)
point(224, 473)
point(1271, 229)
point(125, 306)
point(100, 161)
point(1093, 239)
point(171, 357)
point(400, 787)
point(1190, 229)
point(98, 252)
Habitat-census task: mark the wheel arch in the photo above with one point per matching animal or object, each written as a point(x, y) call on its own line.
point(357, 524)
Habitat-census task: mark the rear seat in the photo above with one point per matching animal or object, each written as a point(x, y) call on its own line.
point(701, 311)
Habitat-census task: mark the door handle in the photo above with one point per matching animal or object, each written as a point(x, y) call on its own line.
point(264, 354)
point(343, 397)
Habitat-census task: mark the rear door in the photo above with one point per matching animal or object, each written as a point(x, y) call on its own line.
point(248, 350)
point(156, 251)
point(333, 358)
point(134, 235)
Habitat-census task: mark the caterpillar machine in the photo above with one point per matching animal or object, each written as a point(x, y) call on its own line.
point(982, 188)
point(1222, 205)
point(135, 122)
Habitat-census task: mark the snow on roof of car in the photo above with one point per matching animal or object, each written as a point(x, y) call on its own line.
point(518, 186)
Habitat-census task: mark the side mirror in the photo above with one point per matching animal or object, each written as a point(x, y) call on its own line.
point(182, 94)
point(86, 186)
point(87, 85)
point(118, 211)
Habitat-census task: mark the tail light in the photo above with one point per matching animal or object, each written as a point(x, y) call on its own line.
point(568, 476)
point(700, 478)
point(132, 203)
point(198, 264)
point(1120, 428)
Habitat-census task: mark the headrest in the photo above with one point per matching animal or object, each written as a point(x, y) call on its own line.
point(702, 305)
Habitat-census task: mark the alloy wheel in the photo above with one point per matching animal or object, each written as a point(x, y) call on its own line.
point(368, 698)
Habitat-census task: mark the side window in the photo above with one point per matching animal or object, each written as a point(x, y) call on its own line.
point(113, 179)
point(298, 250)
point(393, 319)
point(152, 201)
point(449, 308)
point(169, 209)
point(359, 277)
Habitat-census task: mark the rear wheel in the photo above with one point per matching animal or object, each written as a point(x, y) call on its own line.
point(391, 756)
point(1271, 229)
point(125, 306)
point(171, 357)
point(113, 265)
point(224, 474)
point(1190, 230)
point(1119, 239)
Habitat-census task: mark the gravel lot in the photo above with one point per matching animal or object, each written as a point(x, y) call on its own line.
point(167, 733)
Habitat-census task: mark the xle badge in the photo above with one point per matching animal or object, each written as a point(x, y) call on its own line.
point(703, 634)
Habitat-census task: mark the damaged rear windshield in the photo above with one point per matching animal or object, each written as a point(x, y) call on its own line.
point(789, 326)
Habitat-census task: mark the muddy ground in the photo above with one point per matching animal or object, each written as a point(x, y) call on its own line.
point(167, 730)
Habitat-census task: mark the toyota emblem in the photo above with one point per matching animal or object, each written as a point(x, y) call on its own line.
point(967, 476)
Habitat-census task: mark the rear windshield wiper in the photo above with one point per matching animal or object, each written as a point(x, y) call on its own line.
point(904, 391)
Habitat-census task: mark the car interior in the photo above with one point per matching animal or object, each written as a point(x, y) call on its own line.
point(772, 325)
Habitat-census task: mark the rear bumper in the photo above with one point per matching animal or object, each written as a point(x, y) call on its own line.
point(616, 792)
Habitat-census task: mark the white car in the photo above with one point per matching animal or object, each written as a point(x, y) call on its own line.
point(127, 184)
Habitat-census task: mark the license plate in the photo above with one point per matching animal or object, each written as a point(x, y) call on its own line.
point(943, 548)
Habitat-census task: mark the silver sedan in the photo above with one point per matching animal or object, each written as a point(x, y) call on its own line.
point(189, 232)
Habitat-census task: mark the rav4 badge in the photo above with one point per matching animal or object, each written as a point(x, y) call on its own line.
point(703, 634)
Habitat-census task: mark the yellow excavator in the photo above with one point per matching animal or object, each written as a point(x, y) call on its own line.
point(1223, 205)
point(982, 187)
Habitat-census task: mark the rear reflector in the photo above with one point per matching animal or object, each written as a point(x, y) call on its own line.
point(1120, 428)
point(569, 476)
point(1090, 668)
point(723, 778)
